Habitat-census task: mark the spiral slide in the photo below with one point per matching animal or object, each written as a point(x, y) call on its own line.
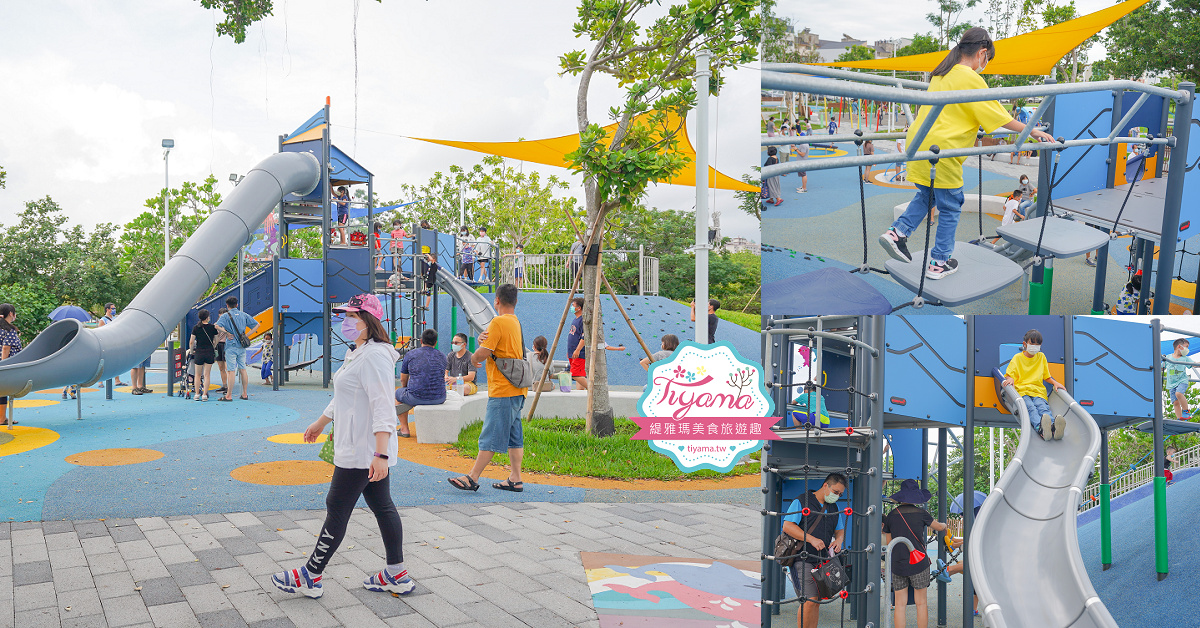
point(1024, 553)
point(67, 353)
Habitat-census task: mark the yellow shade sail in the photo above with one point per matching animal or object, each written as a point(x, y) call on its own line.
point(552, 152)
point(1033, 53)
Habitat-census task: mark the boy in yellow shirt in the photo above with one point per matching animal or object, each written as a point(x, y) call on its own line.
point(1027, 371)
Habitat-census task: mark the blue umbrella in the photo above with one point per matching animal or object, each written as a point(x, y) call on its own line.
point(64, 312)
point(956, 507)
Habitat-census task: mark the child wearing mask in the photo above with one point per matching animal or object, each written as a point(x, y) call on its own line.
point(1027, 371)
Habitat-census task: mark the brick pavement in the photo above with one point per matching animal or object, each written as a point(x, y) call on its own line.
point(497, 565)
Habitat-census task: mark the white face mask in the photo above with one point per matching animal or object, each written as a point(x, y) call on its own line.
point(1034, 349)
point(831, 498)
point(457, 346)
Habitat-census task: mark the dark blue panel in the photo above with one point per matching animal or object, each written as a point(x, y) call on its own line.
point(993, 331)
point(1149, 115)
point(925, 368)
point(300, 285)
point(835, 370)
point(257, 297)
point(349, 273)
point(1114, 367)
point(1082, 116)
point(305, 324)
point(1189, 211)
point(906, 453)
point(345, 170)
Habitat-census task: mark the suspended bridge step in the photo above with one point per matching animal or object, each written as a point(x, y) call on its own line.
point(1062, 238)
point(1143, 214)
point(980, 272)
point(1171, 427)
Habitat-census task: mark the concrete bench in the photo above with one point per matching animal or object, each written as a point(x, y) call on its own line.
point(443, 422)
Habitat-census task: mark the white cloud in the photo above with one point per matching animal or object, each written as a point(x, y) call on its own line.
point(88, 101)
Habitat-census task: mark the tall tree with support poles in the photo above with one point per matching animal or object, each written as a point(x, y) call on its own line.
point(654, 61)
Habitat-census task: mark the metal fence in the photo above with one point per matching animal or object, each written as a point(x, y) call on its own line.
point(1130, 480)
point(555, 272)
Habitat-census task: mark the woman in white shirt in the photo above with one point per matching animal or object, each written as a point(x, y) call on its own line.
point(364, 448)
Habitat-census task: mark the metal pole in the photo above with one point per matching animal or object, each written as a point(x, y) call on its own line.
point(969, 475)
point(1174, 201)
point(641, 269)
point(702, 74)
point(1105, 505)
point(166, 206)
point(1161, 564)
point(241, 277)
point(327, 241)
point(873, 521)
point(943, 509)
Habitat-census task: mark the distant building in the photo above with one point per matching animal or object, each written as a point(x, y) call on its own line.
point(739, 244)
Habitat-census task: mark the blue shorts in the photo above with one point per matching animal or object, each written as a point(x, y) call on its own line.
point(343, 215)
point(502, 425)
point(407, 401)
point(1181, 389)
point(146, 364)
point(235, 357)
point(519, 272)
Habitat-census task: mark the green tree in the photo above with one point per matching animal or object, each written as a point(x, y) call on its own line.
point(856, 53)
point(948, 20)
point(3, 175)
point(655, 65)
point(33, 305)
point(521, 208)
point(141, 240)
point(1157, 38)
point(921, 44)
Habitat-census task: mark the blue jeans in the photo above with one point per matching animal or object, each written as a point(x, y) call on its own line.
point(1180, 388)
point(502, 425)
point(1036, 406)
point(949, 203)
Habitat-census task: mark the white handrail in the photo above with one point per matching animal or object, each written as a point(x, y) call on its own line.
point(1185, 459)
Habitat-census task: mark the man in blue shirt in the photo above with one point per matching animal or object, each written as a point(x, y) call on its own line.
point(422, 379)
point(821, 531)
point(235, 353)
point(577, 357)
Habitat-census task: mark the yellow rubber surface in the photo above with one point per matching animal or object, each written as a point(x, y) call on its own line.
point(26, 438)
point(113, 457)
point(285, 473)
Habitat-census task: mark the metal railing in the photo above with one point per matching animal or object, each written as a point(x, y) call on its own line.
point(555, 272)
point(1139, 476)
point(808, 79)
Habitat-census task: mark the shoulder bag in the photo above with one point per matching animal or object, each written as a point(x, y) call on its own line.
point(787, 547)
point(518, 371)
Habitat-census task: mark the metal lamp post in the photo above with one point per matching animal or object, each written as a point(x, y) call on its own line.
point(702, 75)
point(167, 146)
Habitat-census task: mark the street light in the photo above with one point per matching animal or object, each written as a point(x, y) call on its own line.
point(167, 146)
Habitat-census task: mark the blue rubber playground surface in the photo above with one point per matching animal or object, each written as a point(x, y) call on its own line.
point(153, 455)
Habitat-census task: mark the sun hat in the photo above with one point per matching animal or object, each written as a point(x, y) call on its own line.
point(368, 303)
point(911, 493)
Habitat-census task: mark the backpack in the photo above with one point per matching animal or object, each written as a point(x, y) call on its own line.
point(518, 371)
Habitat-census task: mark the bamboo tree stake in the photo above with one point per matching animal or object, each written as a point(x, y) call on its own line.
point(613, 294)
point(563, 321)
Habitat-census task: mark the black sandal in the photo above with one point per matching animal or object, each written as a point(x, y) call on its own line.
point(469, 485)
point(509, 485)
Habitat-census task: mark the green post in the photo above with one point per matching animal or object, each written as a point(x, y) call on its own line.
point(1106, 525)
point(1160, 527)
point(1039, 293)
point(453, 324)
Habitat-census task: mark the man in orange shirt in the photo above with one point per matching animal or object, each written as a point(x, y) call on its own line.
point(502, 420)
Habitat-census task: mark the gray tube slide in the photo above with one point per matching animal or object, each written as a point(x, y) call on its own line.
point(68, 353)
point(478, 308)
point(1024, 550)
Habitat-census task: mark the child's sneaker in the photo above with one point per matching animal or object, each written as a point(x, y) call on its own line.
point(1047, 426)
point(939, 270)
point(298, 581)
point(1060, 427)
point(896, 245)
point(399, 583)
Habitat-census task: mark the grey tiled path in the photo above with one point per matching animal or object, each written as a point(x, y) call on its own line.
point(504, 565)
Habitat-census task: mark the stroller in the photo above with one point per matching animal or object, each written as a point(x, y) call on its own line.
point(188, 382)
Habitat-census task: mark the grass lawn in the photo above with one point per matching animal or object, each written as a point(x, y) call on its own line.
point(749, 321)
point(562, 447)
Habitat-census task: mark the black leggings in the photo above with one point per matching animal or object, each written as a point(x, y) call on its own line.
point(344, 490)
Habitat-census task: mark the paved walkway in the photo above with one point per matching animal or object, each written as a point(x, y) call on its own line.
point(513, 564)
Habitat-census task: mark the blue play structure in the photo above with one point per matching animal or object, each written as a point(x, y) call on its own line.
point(886, 381)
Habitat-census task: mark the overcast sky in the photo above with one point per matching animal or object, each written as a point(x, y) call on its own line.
point(91, 88)
point(872, 20)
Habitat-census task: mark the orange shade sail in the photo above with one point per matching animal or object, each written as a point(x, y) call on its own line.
point(1034, 53)
point(552, 152)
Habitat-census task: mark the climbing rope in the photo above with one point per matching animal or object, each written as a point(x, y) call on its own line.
point(1049, 199)
point(862, 204)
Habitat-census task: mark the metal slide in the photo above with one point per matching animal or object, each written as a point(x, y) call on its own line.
point(1024, 551)
point(478, 308)
point(67, 353)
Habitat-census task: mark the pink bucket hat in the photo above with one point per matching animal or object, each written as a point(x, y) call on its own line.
point(368, 303)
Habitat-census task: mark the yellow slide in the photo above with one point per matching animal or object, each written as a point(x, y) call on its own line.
point(266, 322)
